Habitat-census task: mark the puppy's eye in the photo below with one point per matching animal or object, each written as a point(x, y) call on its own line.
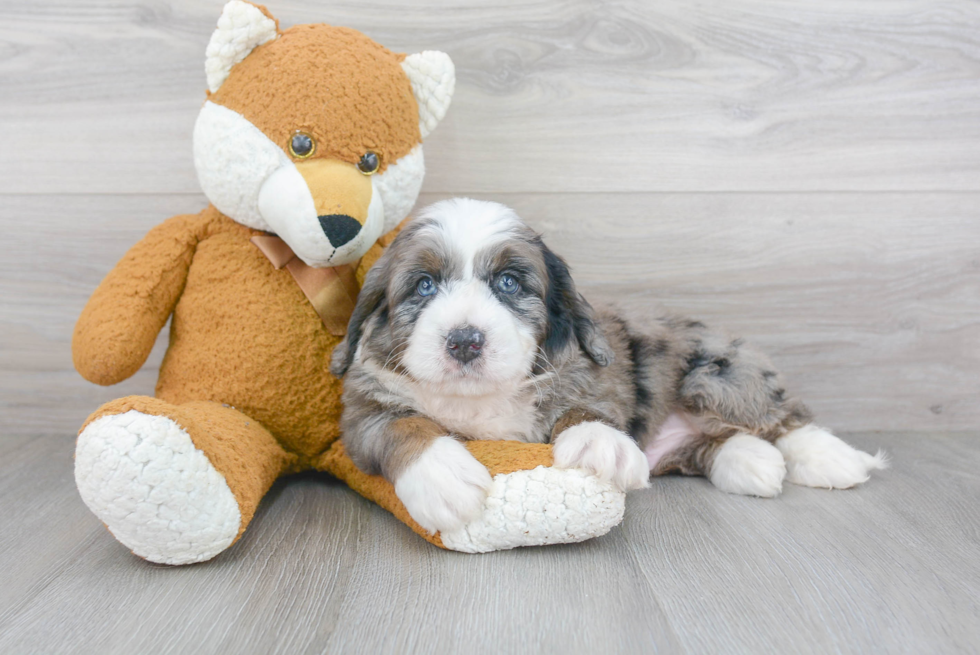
point(507, 283)
point(301, 145)
point(426, 286)
point(370, 163)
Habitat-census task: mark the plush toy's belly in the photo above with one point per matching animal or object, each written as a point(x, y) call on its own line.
point(244, 334)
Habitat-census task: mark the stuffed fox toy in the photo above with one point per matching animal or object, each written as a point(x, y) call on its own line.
point(309, 149)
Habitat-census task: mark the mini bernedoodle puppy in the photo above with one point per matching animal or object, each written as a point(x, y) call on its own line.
point(469, 327)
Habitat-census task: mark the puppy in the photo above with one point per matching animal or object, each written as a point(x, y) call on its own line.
point(469, 327)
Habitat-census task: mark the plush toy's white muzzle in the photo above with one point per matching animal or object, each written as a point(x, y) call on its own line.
point(321, 230)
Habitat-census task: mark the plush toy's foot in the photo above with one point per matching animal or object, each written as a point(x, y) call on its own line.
point(156, 492)
point(169, 490)
point(530, 503)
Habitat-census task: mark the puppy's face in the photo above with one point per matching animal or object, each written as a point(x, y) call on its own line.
point(469, 294)
point(466, 301)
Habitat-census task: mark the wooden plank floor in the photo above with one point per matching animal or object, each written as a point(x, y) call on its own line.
point(893, 566)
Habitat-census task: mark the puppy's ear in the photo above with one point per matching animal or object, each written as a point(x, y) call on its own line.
point(368, 300)
point(569, 315)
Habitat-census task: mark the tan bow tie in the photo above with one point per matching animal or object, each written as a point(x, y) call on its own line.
point(331, 291)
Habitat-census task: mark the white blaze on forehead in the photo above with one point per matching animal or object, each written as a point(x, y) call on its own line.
point(468, 226)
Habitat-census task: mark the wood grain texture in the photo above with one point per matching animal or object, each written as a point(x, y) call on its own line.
point(844, 572)
point(888, 567)
point(870, 303)
point(101, 97)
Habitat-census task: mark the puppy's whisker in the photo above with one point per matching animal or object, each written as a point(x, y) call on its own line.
point(547, 361)
point(401, 344)
point(539, 392)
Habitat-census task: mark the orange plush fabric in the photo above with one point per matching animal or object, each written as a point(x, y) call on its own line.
point(243, 333)
point(249, 458)
point(281, 87)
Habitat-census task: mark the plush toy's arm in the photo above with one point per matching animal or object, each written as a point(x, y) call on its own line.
point(120, 323)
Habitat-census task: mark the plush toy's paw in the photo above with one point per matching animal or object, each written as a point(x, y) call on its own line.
point(749, 466)
point(158, 494)
point(541, 506)
point(445, 487)
point(816, 458)
point(604, 451)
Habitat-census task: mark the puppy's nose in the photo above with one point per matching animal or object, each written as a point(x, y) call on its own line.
point(339, 228)
point(465, 343)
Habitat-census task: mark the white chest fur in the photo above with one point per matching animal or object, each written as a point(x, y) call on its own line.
point(509, 414)
point(495, 417)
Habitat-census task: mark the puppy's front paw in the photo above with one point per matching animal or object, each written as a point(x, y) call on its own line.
point(605, 452)
point(445, 487)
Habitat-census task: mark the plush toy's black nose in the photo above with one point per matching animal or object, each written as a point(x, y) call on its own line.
point(339, 228)
point(465, 343)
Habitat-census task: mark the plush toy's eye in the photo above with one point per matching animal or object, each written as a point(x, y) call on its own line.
point(507, 283)
point(370, 163)
point(301, 145)
point(426, 286)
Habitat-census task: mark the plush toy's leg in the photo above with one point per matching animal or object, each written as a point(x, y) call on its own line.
point(530, 503)
point(175, 483)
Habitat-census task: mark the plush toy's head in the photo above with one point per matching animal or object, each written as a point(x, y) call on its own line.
point(315, 133)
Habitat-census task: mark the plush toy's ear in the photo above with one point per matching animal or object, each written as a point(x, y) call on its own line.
point(433, 78)
point(241, 28)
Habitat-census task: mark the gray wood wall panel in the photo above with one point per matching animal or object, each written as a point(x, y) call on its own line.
point(100, 97)
point(804, 174)
point(870, 303)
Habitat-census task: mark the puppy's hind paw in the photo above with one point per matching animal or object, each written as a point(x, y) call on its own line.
point(604, 451)
point(749, 466)
point(816, 458)
point(444, 488)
